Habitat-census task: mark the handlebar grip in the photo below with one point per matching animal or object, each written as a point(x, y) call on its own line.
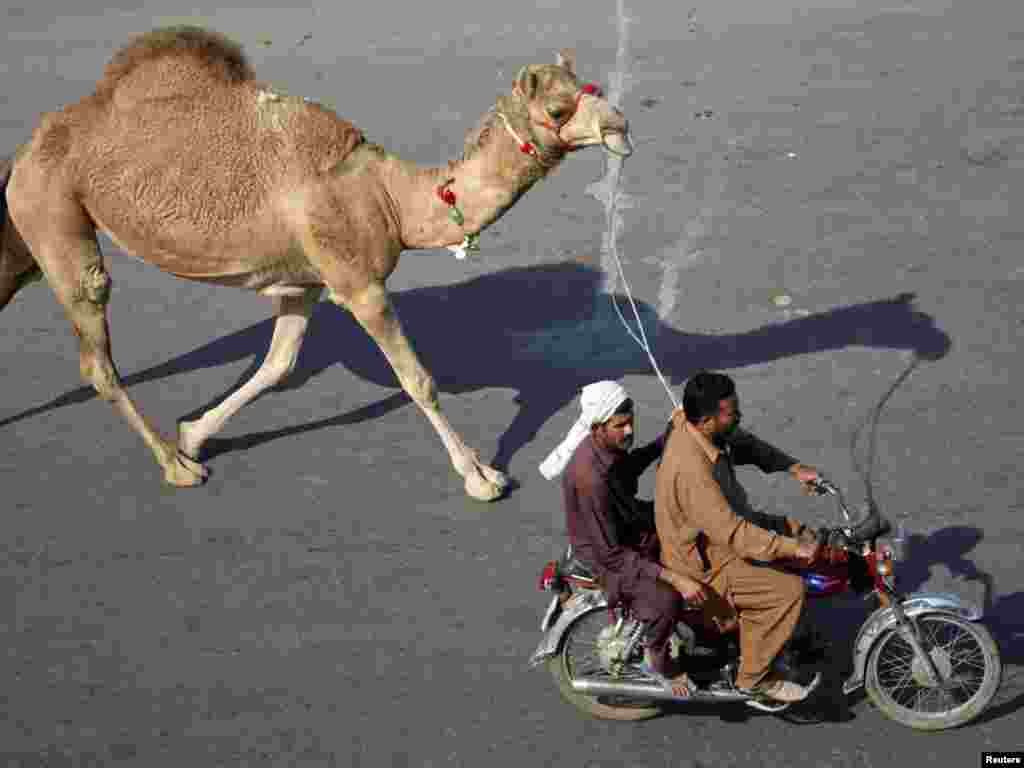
point(822, 486)
point(835, 538)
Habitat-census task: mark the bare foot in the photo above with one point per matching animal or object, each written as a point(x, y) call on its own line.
point(682, 686)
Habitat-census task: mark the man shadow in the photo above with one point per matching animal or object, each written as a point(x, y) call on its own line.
point(543, 330)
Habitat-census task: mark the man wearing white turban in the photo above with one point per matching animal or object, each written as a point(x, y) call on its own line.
point(611, 530)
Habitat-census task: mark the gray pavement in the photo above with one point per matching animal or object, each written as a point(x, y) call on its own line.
point(331, 597)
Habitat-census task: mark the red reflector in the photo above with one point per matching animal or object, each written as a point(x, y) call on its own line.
point(547, 576)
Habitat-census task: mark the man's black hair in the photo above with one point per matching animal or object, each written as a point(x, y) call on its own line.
point(703, 393)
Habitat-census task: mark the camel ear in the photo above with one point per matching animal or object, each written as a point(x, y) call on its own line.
point(567, 59)
point(527, 82)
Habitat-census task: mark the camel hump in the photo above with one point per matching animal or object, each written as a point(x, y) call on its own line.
point(216, 53)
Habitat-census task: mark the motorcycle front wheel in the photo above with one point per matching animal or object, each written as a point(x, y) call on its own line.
point(578, 657)
point(966, 657)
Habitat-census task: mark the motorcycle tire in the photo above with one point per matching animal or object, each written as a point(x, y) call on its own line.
point(889, 659)
point(562, 663)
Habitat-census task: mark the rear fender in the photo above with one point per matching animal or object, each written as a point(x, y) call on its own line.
point(573, 608)
point(884, 619)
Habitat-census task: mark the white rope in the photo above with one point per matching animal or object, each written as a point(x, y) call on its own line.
point(611, 189)
point(642, 339)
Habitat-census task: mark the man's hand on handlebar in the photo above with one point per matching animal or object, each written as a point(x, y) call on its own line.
point(833, 546)
point(807, 476)
point(807, 551)
point(833, 537)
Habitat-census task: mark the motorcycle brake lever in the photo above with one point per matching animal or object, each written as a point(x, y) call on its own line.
point(823, 487)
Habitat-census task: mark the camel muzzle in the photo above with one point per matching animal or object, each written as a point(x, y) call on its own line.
point(615, 133)
point(617, 142)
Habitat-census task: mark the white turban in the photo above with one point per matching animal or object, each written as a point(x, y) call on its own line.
point(598, 402)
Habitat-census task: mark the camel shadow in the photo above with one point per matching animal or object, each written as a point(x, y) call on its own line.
point(544, 330)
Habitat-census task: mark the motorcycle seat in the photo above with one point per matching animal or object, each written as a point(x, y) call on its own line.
point(572, 567)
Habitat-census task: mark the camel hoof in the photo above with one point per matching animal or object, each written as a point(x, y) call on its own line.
point(494, 476)
point(189, 441)
point(182, 472)
point(481, 489)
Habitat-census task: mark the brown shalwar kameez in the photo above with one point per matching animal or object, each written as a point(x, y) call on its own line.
point(702, 536)
point(613, 532)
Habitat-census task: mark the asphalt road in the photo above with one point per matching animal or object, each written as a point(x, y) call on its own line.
point(331, 597)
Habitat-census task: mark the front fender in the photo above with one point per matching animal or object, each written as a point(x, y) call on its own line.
point(576, 606)
point(884, 619)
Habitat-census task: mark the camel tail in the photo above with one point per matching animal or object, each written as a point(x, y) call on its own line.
point(17, 267)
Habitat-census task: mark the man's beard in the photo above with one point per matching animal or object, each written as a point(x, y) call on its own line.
point(622, 447)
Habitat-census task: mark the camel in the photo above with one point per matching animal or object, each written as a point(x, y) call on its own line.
point(189, 163)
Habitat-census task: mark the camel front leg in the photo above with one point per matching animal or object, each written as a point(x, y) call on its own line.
point(293, 313)
point(374, 311)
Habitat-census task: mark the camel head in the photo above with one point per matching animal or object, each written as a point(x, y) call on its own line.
point(566, 113)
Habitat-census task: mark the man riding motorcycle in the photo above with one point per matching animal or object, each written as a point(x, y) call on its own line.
point(611, 530)
point(708, 532)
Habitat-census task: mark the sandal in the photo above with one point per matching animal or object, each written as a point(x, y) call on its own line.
point(671, 684)
point(775, 693)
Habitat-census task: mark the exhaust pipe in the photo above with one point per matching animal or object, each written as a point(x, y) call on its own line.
point(592, 686)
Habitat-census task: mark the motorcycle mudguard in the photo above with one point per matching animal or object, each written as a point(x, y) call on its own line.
point(576, 606)
point(884, 619)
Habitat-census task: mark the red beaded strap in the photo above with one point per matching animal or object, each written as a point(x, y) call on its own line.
point(446, 194)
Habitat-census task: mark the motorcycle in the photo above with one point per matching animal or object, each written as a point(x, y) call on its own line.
point(924, 658)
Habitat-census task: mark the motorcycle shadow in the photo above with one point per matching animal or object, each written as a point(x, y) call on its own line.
point(947, 548)
point(1004, 616)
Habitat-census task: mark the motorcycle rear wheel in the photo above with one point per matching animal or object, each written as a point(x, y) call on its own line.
point(578, 655)
point(963, 652)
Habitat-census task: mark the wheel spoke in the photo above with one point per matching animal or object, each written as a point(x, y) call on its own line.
point(582, 658)
point(895, 668)
point(895, 665)
point(905, 682)
point(926, 695)
point(961, 683)
point(956, 641)
point(918, 698)
point(964, 661)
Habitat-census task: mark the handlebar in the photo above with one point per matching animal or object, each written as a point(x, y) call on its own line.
point(823, 486)
point(854, 533)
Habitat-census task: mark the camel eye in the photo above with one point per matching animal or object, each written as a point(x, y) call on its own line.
point(557, 113)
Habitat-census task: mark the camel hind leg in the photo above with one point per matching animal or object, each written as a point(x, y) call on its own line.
point(74, 269)
point(17, 267)
point(12, 282)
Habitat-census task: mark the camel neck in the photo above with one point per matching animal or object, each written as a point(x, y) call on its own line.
point(480, 187)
